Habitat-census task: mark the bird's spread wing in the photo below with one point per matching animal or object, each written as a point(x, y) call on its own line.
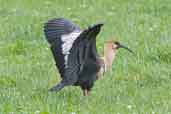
point(70, 46)
point(61, 33)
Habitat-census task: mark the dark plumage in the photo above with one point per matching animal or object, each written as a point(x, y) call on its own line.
point(74, 51)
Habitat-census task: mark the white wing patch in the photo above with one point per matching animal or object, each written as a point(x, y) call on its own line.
point(68, 40)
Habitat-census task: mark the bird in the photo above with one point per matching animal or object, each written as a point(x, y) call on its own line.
point(75, 53)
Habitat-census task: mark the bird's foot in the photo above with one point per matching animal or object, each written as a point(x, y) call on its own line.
point(86, 92)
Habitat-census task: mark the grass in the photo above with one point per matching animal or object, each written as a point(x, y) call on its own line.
point(138, 84)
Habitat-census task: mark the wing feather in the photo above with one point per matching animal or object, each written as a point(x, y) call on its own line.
point(60, 34)
point(70, 46)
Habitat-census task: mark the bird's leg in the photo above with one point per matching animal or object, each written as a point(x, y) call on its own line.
point(85, 92)
point(88, 92)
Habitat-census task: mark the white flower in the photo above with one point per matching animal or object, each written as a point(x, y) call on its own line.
point(151, 29)
point(37, 112)
point(73, 113)
point(68, 8)
point(129, 107)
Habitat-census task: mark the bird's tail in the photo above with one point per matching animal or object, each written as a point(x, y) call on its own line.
point(58, 87)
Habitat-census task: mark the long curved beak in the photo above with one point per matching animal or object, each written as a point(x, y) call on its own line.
point(122, 46)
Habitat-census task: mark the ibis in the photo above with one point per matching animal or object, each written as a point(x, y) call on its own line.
point(75, 53)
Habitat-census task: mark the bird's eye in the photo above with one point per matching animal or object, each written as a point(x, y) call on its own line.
point(113, 46)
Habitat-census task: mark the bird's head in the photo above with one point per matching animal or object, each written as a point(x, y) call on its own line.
point(115, 45)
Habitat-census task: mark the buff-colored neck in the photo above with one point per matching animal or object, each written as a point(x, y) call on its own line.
point(109, 56)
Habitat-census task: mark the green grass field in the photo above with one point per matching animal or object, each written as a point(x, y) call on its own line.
point(138, 84)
